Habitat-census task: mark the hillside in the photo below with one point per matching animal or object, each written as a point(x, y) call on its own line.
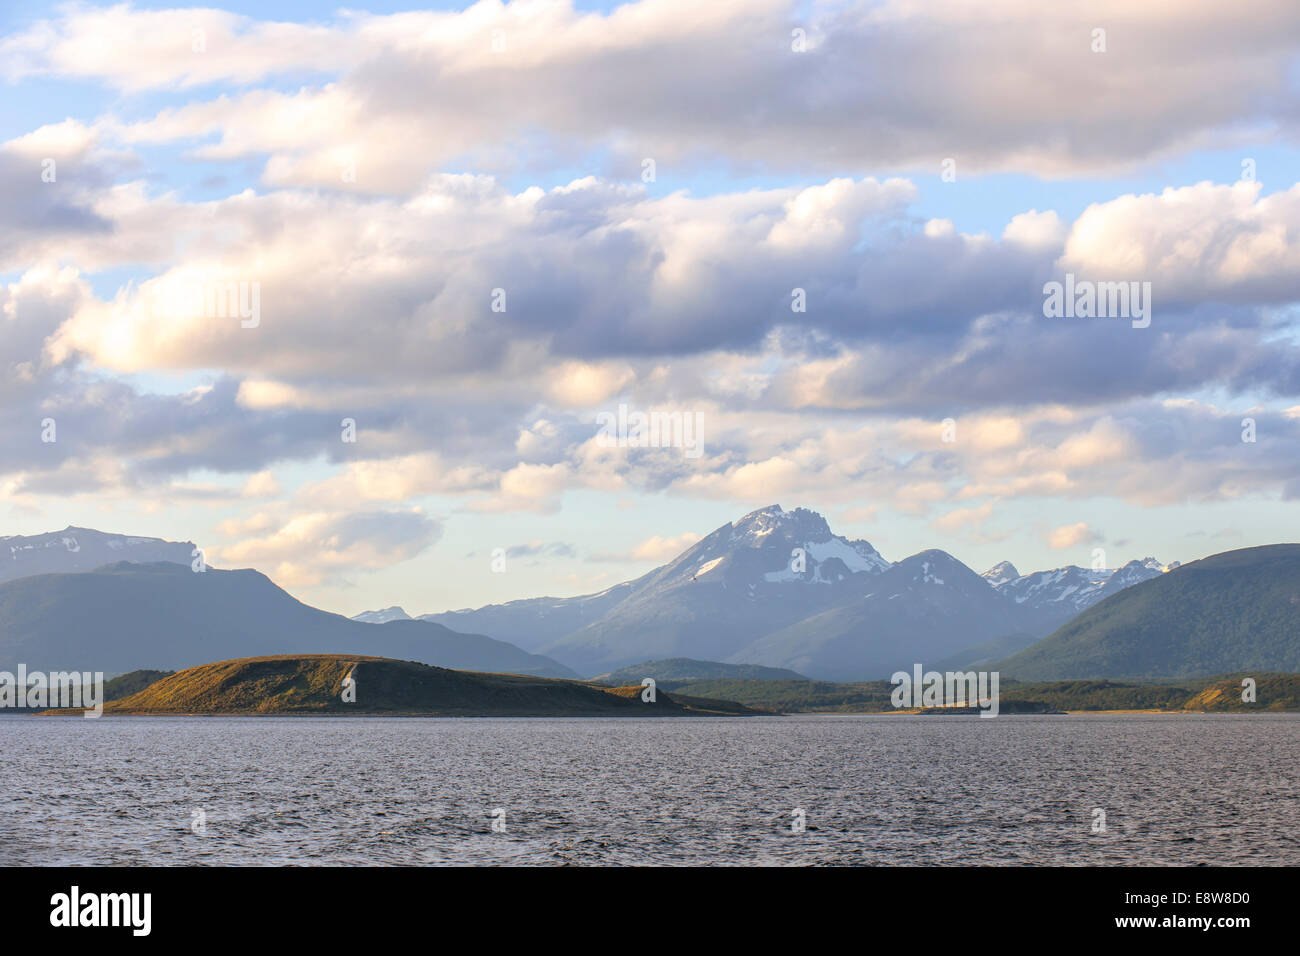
point(1235, 611)
point(1280, 692)
point(130, 616)
point(984, 655)
point(313, 684)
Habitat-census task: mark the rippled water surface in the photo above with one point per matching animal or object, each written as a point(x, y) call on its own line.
point(876, 790)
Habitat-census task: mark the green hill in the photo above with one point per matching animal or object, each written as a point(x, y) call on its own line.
point(313, 684)
point(1236, 611)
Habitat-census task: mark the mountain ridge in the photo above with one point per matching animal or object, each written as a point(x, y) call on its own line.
point(768, 571)
point(83, 549)
point(1233, 611)
point(128, 616)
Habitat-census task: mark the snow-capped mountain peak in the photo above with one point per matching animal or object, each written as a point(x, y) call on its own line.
point(754, 528)
point(394, 613)
point(1001, 573)
point(1064, 592)
point(775, 546)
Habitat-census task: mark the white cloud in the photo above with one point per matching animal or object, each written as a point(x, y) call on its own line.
point(1072, 535)
point(1020, 88)
point(310, 548)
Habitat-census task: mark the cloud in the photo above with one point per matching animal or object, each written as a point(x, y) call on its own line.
point(376, 297)
point(262, 484)
point(656, 549)
point(1220, 242)
point(308, 549)
point(1021, 87)
point(961, 519)
point(1072, 535)
point(538, 548)
point(611, 292)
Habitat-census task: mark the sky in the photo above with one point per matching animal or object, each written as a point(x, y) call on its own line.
point(822, 232)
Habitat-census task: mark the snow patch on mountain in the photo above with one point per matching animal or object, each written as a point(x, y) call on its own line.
point(708, 566)
point(858, 556)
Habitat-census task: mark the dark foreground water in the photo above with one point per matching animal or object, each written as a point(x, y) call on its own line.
point(875, 790)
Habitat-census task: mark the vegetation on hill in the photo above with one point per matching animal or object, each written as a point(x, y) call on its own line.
point(1275, 692)
point(314, 684)
point(1280, 692)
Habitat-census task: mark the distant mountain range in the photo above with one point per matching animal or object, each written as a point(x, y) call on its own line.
point(1236, 611)
point(82, 549)
point(124, 617)
point(1058, 595)
point(775, 595)
point(779, 589)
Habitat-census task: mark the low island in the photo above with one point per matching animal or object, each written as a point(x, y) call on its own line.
point(344, 685)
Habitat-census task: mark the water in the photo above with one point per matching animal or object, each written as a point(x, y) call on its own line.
point(876, 790)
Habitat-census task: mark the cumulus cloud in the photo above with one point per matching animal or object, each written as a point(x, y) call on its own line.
point(377, 298)
point(603, 285)
point(1072, 535)
point(656, 548)
point(409, 91)
point(311, 548)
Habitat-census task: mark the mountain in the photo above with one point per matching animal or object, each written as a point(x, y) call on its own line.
point(1000, 574)
point(777, 571)
point(126, 616)
point(681, 669)
point(313, 684)
point(1053, 597)
point(748, 578)
point(738, 581)
point(83, 549)
point(925, 607)
point(534, 622)
point(382, 617)
point(1235, 611)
